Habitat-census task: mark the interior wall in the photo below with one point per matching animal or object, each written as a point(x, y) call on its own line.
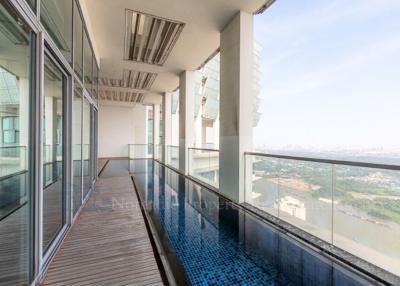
point(120, 126)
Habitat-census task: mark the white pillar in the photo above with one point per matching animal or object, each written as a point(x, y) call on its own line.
point(236, 103)
point(186, 118)
point(166, 124)
point(156, 131)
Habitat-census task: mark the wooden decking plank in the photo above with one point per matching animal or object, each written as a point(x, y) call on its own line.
point(109, 243)
point(99, 274)
point(76, 271)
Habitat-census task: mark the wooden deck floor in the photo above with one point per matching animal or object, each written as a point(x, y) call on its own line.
point(109, 243)
point(14, 236)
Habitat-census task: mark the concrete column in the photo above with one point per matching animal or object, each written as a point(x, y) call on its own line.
point(186, 118)
point(236, 103)
point(156, 131)
point(166, 125)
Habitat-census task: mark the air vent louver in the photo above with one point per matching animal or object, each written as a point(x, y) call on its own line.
point(121, 96)
point(131, 88)
point(149, 39)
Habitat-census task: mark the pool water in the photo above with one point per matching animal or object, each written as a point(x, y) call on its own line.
point(215, 243)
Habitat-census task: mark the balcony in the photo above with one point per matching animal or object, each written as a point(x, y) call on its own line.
point(137, 142)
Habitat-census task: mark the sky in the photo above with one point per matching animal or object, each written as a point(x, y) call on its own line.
point(330, 74)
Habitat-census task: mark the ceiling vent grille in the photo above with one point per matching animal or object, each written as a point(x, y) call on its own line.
point(137, 79)
point(149, 39)
point(131, 88)
point(131, 79)
point(121, 96)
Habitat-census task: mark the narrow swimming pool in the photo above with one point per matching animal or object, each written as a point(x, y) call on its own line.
point(214, 243)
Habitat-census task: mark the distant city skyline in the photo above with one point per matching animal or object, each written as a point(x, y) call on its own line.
point(330, 75)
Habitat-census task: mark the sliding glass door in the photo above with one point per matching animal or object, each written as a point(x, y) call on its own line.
point(47, 131)
point(16, 98)
point(94, 144)
point(53, 132)
point(77, 148)
point(86, 145)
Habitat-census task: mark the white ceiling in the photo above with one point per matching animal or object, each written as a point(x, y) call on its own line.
point(204, 19)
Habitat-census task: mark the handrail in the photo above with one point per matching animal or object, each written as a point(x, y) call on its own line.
point(141, 144)
point(8, 176)
point(173, 146)
point(328, 161)
point(204, 149)
point(13, 210)
point(1, 147)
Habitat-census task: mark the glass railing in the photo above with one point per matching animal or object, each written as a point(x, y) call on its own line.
point(354, 206)
point(85, 152)
point(48, 153)
point(172, 156)
point(13, 178)
point(76, 152)
point(140, 151)
point(13, 159)
point(204, 165)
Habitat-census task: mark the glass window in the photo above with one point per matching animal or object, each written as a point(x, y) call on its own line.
point(78, 54)
point(86, 147)
point(53, 161)
point(56, 17)
point(16, 42)
point(77, 147)
point(95, 92)
point(10, 130)
point(94, 143)
point(88, 63)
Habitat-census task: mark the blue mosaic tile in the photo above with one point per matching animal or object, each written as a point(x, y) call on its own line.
point(218, 245)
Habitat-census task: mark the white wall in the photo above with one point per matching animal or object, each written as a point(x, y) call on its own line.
point(120, 126)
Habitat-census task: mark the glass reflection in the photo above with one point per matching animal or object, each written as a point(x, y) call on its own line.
point(56, 17)
point(77, 147)
point(16, 41)
point(86, 153)
point(53, 151)
point(88, 63)
point(78, 54)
